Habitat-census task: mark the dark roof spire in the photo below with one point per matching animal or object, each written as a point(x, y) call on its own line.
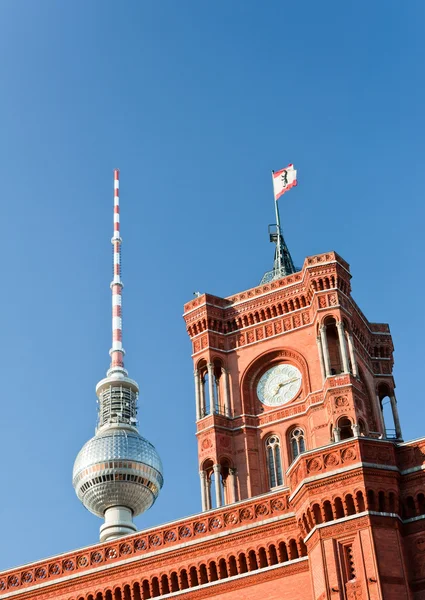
point(283, 264)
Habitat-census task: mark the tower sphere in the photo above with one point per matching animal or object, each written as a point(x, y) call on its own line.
point(117, 467)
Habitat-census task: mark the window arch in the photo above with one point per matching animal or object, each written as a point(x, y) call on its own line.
point(345, 427)
point(297, 442)
point(274, 462)
point(389, 411)
point(334, 349)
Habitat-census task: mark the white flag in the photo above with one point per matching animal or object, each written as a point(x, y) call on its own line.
point(283, 180)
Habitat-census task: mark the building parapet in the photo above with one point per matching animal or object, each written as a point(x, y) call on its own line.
point(197, 528)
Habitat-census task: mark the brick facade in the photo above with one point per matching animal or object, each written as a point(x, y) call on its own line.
point(347, 520)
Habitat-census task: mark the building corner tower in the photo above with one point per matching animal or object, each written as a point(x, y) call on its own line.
point(117, 474)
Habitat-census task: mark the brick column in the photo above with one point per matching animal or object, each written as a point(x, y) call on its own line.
point(233, 485)
point(395, 416)
point(218, 490)
point(343, 346)
point(380, 414)
point(203, 478)
point(310, 519)
point(202, 401)
point(321, 360)
point(211, 387)
point(208, 492)
point(300, 551)
point(197, 398)
point(225, 375)
point(354, 368)
point(325, 350)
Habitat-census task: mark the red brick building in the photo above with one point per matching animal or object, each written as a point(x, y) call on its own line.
point(307, 492)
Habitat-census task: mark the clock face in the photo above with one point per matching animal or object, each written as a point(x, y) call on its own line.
point(279, 384)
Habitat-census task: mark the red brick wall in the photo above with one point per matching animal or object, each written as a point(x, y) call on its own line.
point(390, 563)
point(292, 587)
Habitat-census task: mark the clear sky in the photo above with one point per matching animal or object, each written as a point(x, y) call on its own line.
point(195, 102)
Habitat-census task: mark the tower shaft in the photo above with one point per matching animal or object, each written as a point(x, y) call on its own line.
point(117, 350)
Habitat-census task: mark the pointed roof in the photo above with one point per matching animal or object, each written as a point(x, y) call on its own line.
point(283, 264)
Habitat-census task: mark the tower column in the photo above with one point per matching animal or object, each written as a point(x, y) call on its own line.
point(325, 350)
point(202, 401)
point(211, 387)
point(352, 355)
point(203, 478)
point(197, 398)
point(381, 415)
point(208, 492)
point(233, 484)
point(118, 522)
point(343, 346)
point(218, 490)
point(225, 375)
point(337, 434)
point(395, 416)
point(322, 363)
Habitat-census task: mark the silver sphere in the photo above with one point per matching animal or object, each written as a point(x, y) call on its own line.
point(117, 467)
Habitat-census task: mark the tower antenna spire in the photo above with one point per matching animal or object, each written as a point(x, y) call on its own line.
point(283, 264)
point(117, 350)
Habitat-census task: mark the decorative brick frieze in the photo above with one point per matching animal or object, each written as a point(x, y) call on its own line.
point(164, 537)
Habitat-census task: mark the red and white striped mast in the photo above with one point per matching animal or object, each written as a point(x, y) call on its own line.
point(117, 405)
point(117, 350)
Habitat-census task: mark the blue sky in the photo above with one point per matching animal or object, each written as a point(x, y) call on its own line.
point(195, 102)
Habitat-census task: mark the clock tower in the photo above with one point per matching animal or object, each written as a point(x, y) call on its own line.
point(281, 369)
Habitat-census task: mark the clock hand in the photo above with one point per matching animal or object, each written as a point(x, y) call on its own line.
point(285, 383)
point(290, 381)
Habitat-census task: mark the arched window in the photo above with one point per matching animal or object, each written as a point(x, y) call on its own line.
point(389, 411)
point(165, 588)
point(273, 555)
point(274, 462)
point(203, 576)
point(334, 351)
point(346, 430)
point(297, 442)
point(218, 381)
point(193, 574)
point(233, 569)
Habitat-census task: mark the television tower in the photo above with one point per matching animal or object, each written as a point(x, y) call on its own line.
point(117, 474)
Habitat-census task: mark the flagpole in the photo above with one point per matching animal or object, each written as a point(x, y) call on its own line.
point(278, 244)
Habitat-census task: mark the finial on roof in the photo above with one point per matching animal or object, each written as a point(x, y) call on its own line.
point(283, 265)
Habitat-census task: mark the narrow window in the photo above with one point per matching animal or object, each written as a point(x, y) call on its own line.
point(348, 561)
point(297, 442)
point(274, 462)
